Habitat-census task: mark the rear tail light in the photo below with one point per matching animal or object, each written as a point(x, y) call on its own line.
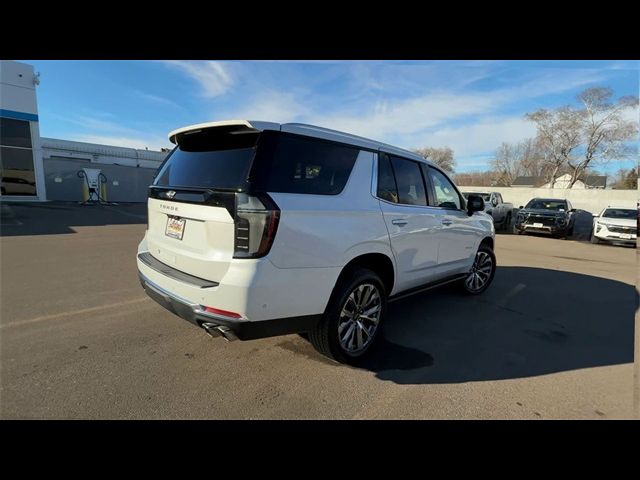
point(256, 223)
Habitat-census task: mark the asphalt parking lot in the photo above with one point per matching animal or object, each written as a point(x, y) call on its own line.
point(553, 337)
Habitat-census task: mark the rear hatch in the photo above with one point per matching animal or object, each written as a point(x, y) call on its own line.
point(194, 225)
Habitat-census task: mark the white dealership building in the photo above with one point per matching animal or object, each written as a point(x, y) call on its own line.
point(33, 168)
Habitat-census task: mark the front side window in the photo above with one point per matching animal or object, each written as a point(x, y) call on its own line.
point(446, 195)
point(16, 158)
point(411, 189)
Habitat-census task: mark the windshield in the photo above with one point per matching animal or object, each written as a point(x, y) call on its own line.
point(620, 213)
point(537, 204)
point(214, 159)
point(485, 196)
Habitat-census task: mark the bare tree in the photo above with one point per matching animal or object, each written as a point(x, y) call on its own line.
point(477, 179)
point(512, 160)
point(507, 163)
point(605, 131)
point(558, 136)
point(443, 157)
point(626, 179)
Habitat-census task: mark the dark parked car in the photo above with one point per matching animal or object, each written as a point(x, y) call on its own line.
point(552, 216)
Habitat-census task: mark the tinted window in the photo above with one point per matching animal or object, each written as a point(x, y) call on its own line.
point(15, 133)
point(16, 158)
point(619, 213)
point(538, 204)
point(297, 164)
point(446, 195)
point(485, 196)
point(16, 171)
point(411, 189)
point(387, 189)
point(209, 159)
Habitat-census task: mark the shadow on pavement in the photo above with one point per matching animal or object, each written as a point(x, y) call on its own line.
point(59, 217)
point(521, 326)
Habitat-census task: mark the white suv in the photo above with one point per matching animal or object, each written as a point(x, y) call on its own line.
point(259, 229)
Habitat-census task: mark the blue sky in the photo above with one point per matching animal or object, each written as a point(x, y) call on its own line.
point(470, 106)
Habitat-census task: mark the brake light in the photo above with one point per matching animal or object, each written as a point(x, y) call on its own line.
point(256, 223)
point(224, 313)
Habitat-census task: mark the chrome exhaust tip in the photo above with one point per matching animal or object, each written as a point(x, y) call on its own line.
point(211, 329)
point(214, 330)
point(227, 333)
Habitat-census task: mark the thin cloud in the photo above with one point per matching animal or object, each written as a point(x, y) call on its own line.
point(479, 137)
point(213, 77)
point(156, 99)
point(271, 106)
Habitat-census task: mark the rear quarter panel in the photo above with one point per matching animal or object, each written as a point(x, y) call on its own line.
point(318, 231)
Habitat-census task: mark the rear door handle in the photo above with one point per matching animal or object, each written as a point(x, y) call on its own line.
point(447, 222)
point(399, 221)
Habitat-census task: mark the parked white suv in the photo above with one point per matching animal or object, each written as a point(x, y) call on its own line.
point(259, 229)
point(615, 225)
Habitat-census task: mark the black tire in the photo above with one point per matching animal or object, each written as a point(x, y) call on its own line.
point(325, 337)
point(484, 248)
point(595, 240)
point(507, 222)
point(570, 232)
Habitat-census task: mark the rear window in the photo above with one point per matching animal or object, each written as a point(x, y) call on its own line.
point(215, 158)
point(296, 164)
point(409, 180)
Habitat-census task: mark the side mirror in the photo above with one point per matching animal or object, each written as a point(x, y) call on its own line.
point(475, 203)
point(573, 210)
point(494, 202)
point(520, 207)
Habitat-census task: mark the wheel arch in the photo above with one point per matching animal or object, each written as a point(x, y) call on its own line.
point(487, 241)
point(379, 263)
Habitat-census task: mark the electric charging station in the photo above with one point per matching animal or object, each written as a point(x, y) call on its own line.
point(94, 188)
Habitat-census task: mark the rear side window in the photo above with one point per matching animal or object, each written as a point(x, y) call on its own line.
point(411, 189)
point(297, 164)
point(387, 189)
point(218, 158)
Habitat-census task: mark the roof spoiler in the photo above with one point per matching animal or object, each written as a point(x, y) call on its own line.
point(241, 125)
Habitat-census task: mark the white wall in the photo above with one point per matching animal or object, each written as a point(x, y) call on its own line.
point(591, 200)
point(18, 89)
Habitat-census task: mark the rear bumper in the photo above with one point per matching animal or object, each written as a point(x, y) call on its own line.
point(239, 327)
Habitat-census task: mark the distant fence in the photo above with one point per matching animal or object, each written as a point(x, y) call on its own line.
point(591, 200)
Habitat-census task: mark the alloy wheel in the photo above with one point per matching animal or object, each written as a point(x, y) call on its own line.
point(359, 319)
point(480, 272)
